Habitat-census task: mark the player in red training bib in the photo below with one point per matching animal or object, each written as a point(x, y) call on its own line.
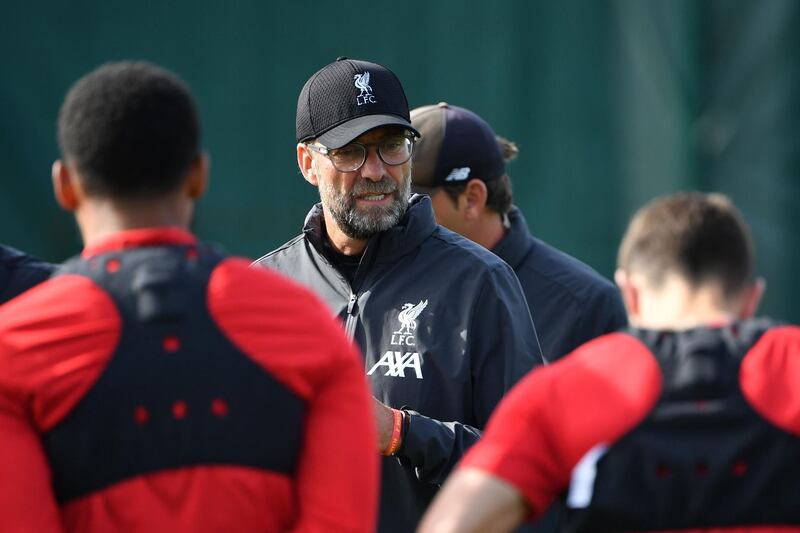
point(155, 384)
point(688, 420)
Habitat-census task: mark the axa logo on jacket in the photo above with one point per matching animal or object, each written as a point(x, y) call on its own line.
point(396, 362)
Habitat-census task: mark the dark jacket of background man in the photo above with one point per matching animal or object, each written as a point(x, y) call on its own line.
point(19, 272)
point(461, 164)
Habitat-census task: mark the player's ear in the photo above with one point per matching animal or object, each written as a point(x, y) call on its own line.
point(752, 298)
point(629, 293)
point(473, 200)
point(197, 178)
point(306, 163)
point(66, 187)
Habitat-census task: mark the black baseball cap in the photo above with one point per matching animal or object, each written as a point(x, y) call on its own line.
point(347, 98)
point(456, 145)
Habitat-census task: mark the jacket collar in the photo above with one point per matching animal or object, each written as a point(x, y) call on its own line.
point(515, 246)
point(416, 225)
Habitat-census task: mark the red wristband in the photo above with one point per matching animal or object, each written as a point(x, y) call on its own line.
point(397, 431)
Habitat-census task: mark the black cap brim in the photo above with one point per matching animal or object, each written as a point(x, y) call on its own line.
point(346, 132)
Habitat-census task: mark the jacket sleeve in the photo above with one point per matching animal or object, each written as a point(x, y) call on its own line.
point(18, 277)
point(502, 347)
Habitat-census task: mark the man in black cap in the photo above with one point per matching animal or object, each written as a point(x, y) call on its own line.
point(460, 163)
point(19, 272)
point(442, 322)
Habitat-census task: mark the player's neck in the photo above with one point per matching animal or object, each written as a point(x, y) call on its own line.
point(677, 306)
point(489, 230)
point(100, 218)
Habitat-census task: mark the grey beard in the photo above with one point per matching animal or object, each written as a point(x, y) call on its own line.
point(362, 226)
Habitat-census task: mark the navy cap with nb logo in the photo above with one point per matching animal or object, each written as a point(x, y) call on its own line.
point(456, 145)
point(347, 98)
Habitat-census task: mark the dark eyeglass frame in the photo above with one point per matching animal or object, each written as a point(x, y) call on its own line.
point(328, 152)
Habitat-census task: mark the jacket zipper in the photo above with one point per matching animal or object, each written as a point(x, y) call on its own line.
point(352, 303)
point(352, 307)
point(352, 312)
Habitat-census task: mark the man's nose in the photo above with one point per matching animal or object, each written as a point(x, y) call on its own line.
point(373, 168)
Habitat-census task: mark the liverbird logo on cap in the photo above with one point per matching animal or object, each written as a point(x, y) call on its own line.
point(362, 84)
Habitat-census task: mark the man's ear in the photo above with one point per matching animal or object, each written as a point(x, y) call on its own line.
point(197, 179)
point(306, 163)
point(752, 298)
point(473, 200)
point(66, 187)
point(629, 293)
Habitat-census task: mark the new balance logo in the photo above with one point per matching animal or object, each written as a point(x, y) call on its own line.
point(396, 364)
point(458, 174)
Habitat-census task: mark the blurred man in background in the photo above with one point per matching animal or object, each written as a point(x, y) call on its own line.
point(442, 322)
point(460, 163)
point(154, 384)
point(19, 272)
point(689, 420)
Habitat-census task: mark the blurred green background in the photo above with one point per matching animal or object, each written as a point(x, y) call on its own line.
point(610, 102)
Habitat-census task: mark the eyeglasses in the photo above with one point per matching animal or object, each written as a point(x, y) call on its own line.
point(350, 157)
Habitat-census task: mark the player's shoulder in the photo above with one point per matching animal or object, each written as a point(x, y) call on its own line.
point(240, 272)
point(61, 296)
point(237, 287)
point(768, 376)
point(618, 359)
point(65, 317)
point(775, 348)
point(784, 334)
point(278, 323)
point(604, 386)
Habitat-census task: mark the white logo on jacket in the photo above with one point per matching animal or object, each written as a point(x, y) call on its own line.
point(396, 362)
point(362, 84)
point(408, 317)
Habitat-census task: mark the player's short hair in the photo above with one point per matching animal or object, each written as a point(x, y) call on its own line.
point(131, 129)
point(499, 194)
point(701, 237)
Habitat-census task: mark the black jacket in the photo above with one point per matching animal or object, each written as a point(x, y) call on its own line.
point(445, 332)
point(19, 272)
point(570, 303)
